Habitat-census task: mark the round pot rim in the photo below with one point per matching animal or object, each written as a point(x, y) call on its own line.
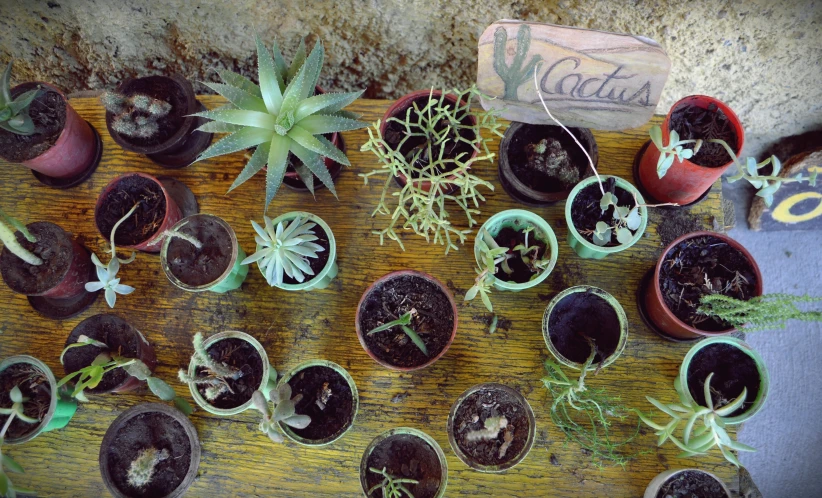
point(110, 186)
point(390, 276)
point(611, 300)
point(143, 408)
point(235, 246)
point(663, 477)
point(529, 442)
point(36, 363)
point(64, 270)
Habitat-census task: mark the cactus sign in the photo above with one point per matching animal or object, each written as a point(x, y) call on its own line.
point(588, 78)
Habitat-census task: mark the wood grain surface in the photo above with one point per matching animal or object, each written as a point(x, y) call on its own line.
point(297, 326)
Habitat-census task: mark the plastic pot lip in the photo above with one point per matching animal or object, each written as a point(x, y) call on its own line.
point(731, 242)
point(510, 216)
point(412, 432)
point(235, 246)
point(31, 360)
point(391, 276)
point(128, 415)
point(624, 184)
point(761, 368)
point(228, 334)
point(528, 443)
point(657, 482)
point(611, 300)
point(354, 394)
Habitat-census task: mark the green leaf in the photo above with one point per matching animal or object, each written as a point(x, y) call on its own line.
point(656, 136)
point(183, 405)
point(471, 294)
point(624, 235)
point(9, 463)
point(634, 219)
point(317, 144)
point(284, 409)
point(253, 166)
point(239, 140)
point(298, 421)
point(751, 164)
point(620, 212)
point(706, 391)
point(277, 161)
point(291, 96)
point(486, 300)
point(23, 101)
point(238, 97)
point(313, 65)
point(16, 395)
point(777, 166)
point(139, 370)
point(323, 102)
point(316, 164)
point(279, 64)
point(736, 445)
point(269, 85)
point(320, 124)
point(161, 389)
point(673, 138)
point(4, 485)
point(296, 62)
point(664, 408)
point(219, 127)
point(305, 175)
point(734, 405)
point(607, 200)
point(730, 456)
point(240, 117)
point(664, 164)
point(239, 81)
point(5, 85)
point(415, 338)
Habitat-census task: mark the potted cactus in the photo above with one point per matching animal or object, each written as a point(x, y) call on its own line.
point(40, 130)
point(150, 450)
point(686, 483)
point(491, 427)
point(403, 462)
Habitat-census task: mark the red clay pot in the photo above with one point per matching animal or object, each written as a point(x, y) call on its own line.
point(685, 181)
point(658, 311)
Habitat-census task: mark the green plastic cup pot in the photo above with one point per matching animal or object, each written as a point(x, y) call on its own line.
point(611, 300)
point(581, 245)
point(289, 432)
point(324, 276)
point(517, 458)
point(519, 219)
point(764, 381)
point(411, 432)
point(266, 385)
point(61, 409)
point(652, 491)
point(231, 278)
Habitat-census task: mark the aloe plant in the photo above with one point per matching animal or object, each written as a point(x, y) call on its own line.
point(14, 113)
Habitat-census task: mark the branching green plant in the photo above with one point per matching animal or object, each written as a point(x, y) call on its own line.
point(284, 411)
point(14, 113)
point(215, 375)
point(7, 463)
point(390, 486)
point(176, 233)
point(284, 250)
point(107, 274)
point(141, 470)
point(404, 323)
point(516, 74)
point(135, 116)
point(432, 171)
point(9, 239)
point(770, 311)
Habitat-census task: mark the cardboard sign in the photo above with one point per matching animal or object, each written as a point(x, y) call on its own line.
point(796, 206)
point(589, 79)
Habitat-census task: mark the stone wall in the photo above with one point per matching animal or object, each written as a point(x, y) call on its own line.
point(764, 60)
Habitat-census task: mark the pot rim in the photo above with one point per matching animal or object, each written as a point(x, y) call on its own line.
point(34, 362)
point(657, 482)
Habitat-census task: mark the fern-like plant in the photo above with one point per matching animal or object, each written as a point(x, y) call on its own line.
point(14, 113)
point(770, 311)
point(284, 250)
point(390, 486)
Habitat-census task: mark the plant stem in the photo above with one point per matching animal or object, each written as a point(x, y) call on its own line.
point(114, 230)
point(10, 241)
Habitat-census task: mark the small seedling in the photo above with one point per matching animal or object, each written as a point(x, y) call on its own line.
point(7, 463)
point(391, 487)
point(216, 374)
point(9, 239)
point(135, 116)
point(284, 250)
point(284, 411)
point(141, 470)
point(107, 274)
point(770, 311)
point(14, 113)
point(403, 322)
point(176, 233)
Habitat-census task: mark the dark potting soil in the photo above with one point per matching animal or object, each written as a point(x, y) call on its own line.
point(239, 355)
point(471, 415)
point(48, 113)
point(674, 223)
point(556, 170)
point(205, 265)
point(35, 386)
point(167, 90)
point(317, 264)
point(701, 266)
point(53, 246)
point(144, 222)
point(691, 484)
point(693, 123)
point(586, 213)
point(387, 301)
point(150, 430)
point(408, 457)
point(121, 340)
point(327, 399)
point(733, 371)
point(510, 238)
point(580, 315)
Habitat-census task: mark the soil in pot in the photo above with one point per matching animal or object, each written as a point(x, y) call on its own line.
point(409, 457)
point(35, 386)
point(146, 220)
point(120, 338)
point(581, 316)
point(733, 371)
point(471, 416)
point(150, 430)
point(546, 160)
point(167, 90)
point(317, 264)
point(327, 399)
point(202, 266)
point(700, 266)
point(387, 301)
point(690, 484)
point(48, 113)
point(520, 272)
point(586, 213)
point(53, 246)
point(693, 123)
point(240, 355)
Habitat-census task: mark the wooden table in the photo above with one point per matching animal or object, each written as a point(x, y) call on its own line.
point(296, 326)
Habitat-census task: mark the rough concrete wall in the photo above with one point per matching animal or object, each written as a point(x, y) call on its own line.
point(764, 60)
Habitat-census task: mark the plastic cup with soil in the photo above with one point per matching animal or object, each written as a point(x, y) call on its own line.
point(491, 427)
point(694, 265)
point(540, 164)
point(434, 319)
point(121, 338)
point(686, 483)
point(736, 366)
point(38, 385)
point(152, 450)
point(329, 398)
point(64, 150)
point(579, 315)
point(405, 453)
point(214, 266)
point(507, 228)
point(694, 117)
point(177, 143)
point(583, 212)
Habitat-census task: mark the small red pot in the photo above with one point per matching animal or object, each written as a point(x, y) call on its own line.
point(685, 182)
point(657, 310)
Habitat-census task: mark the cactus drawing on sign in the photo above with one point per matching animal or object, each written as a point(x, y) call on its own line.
point(514, 75)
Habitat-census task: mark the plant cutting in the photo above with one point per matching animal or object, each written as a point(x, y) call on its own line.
point(428, 141)
point(770, 311)
point(400, 302)
point(686, 483)
point(17, 411)
point(491, 427)
point(403, 462)
point(282, 414)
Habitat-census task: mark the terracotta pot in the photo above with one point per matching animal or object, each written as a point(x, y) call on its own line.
point(685, 182)
point(400, 432)
point(657, 310)
point(652, 491)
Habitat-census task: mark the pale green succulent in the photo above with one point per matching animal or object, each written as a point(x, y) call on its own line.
point(284, 249)
point(14, 113)
point(284, 411)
